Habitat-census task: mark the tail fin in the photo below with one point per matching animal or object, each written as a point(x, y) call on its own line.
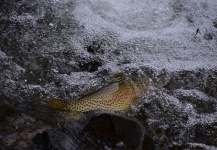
point(58, 104)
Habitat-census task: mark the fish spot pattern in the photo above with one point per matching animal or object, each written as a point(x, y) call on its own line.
point(116, 96)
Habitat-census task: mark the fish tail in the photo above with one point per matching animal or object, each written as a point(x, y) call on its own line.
point(58, 104)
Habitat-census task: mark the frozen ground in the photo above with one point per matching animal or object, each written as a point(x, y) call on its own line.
point(65, 48)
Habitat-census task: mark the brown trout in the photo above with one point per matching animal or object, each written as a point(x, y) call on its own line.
point(117, 96)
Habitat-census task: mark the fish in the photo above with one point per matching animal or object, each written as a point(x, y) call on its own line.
point(117, 96)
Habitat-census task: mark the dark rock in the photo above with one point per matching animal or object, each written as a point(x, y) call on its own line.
point(53, 140)
point(164, 119)
point(95, 47)
point(201, 102)
point(103, 72)
point(206, 133)
point(178, 6)
point(167, 119)
point(2, 144)
point(102, 131)
point(148, 143)
point(116, 129)
point(90, 66)
point(190, 18)
point(188, 146)
point(41, 140)
point(208, 36)
point(66, 68)
point(202, 80)
point(7, 110)
point(215, 24)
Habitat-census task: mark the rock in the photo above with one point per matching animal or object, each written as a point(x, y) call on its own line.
point(201, 79)
point(100, 132)
point(61, 49)
point(2, 144)
point(53, 140)
point(215, 24)
point(205, 133)
point(208, 36)
point(201, 102)
point(182, 119)
point(90, 66)
point(95, 47)
point(117, 131)
point(192, 146)
point(7, 110)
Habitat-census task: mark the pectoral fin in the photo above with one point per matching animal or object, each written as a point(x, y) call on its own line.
point(73, 116)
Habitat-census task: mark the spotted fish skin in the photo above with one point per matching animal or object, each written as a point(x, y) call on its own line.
point(117, 96)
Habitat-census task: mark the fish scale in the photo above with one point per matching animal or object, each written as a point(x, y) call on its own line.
point(117, 96)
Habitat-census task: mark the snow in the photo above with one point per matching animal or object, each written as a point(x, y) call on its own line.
point(167, 27)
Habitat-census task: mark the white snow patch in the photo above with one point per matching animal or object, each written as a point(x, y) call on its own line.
point(170, 22)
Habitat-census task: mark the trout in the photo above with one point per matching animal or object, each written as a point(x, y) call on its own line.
point(117, 96)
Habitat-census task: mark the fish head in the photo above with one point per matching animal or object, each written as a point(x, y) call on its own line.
point(138, 84)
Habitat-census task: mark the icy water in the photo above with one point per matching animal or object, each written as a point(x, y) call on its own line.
point(66, 48)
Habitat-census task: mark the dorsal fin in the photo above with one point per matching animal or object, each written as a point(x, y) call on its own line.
point(118, 75)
